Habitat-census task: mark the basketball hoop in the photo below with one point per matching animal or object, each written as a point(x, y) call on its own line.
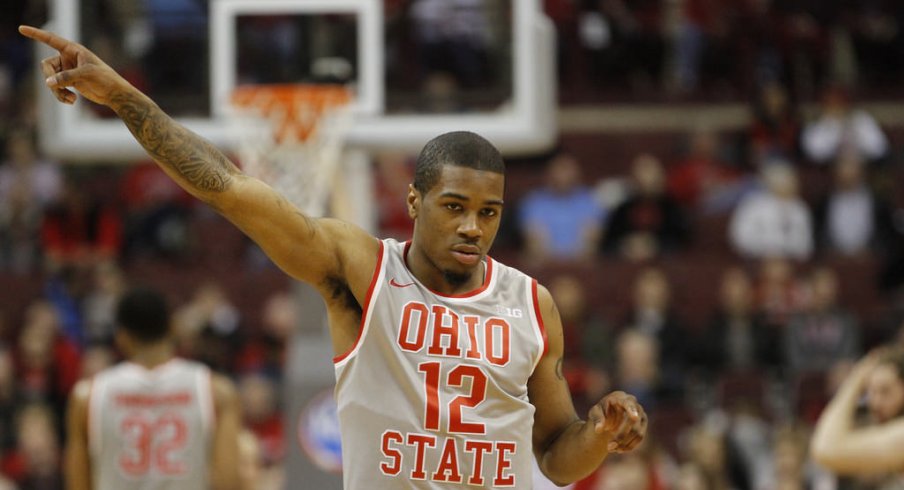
point(291, 137)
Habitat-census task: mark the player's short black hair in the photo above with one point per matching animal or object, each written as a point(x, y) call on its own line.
point(460, 148)
point(143, 313)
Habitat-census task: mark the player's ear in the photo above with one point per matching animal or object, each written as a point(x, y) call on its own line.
point(413, 200)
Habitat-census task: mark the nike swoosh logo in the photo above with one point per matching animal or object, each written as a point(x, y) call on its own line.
point(392, 282)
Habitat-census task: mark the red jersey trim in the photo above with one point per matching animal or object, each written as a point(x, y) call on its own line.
point(536, 301)
point(483, 287)
point(367, 301)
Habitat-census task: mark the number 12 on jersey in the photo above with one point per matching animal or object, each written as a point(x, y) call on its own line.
point(456, 377)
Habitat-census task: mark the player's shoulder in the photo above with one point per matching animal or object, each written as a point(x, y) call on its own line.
point(81, 391)
point(508, 273)
point(223, 388)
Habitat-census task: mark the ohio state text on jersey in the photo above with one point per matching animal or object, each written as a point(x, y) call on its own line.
point(434, 392)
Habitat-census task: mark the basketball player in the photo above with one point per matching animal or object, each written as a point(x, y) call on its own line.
point(153, 421)
point(847, 448)
point(448, 364)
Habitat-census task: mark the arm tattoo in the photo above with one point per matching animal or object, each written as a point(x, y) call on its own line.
point(201, 165)
point(560, 371)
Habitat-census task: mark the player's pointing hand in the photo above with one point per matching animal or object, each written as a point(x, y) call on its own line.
point(75, 66)
point(621, 417)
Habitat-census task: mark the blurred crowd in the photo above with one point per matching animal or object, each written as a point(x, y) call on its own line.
point(711, 278)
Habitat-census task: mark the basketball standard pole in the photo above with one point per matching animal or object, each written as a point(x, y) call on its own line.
point(311, 429)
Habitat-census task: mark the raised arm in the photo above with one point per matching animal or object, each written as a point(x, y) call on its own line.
point(569, 448)
point(848, 450)
point(313, 250)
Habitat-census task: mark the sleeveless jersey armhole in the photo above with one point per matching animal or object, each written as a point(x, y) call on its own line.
point(373, 290)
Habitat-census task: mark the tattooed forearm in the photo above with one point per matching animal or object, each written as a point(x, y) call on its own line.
point(201, 166)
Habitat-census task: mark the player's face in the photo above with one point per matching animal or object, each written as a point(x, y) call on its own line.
point(456, 221)
point(885, 393)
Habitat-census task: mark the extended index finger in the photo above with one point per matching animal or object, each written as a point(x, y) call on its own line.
point(56, 42)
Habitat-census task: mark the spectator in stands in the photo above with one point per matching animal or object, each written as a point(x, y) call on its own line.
point(876, 36)
point(588, 340)
point(563, 220)
point(690, 476)
point(773, 222)
point(207, 327)
point(825, 333)
point(702, 181)
point(841, 128)
point(563, 14)
point(37, 460)
point(807, 29)
point(648, 222)
point(47, 363)
point(774, 132)
point(16, 56)
point(28, 185)
point(453, 36)
point(703, 32)
point(98, 308)
point(632, 45)
point(637, 369)
point(736, 337)
point(260, 406)
point(852, 220)
point(79, 229)
point(707, 447)
point(156, 214)
point(10, 399)
point(179, 41)
point(789, 460)
point(264, 351)
point(651, 313)
point(779, 293)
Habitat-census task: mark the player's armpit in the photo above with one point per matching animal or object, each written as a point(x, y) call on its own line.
point(224, 461)
point(77, 464)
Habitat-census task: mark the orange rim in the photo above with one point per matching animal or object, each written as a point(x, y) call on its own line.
point(296, 109)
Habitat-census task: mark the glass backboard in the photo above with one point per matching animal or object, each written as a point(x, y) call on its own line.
point(417, 67)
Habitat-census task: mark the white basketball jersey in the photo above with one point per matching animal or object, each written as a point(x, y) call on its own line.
point(434, 392)
point(151, 429)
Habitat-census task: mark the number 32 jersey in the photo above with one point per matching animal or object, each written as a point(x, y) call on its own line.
point(433, 395)
point(150, 429)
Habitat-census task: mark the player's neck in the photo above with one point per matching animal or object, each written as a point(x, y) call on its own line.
point(152, 355)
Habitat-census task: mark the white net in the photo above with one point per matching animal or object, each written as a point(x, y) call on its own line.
point(292, 138)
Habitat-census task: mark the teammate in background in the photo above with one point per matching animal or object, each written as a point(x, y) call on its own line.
point(153, 421)
point(448, 364)
point(847, 448)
